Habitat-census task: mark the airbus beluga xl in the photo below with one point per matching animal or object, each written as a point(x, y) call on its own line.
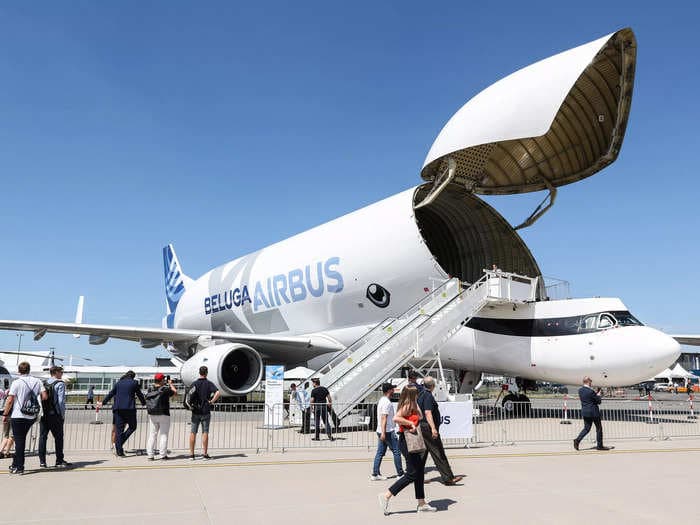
point(553, 123)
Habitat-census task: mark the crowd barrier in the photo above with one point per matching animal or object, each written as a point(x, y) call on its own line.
point(245, 426)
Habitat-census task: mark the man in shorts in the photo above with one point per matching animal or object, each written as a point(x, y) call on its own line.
point(207, 394)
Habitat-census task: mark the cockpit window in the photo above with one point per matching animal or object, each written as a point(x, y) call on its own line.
point(625, 318)
point(588, 323)
point(606, 321)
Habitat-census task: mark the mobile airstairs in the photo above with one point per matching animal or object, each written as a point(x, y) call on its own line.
point(419, 332)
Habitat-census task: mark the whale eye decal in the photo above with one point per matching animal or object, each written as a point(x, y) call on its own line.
point(378, 295)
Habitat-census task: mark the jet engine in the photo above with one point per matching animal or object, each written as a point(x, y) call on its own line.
point(234, 368)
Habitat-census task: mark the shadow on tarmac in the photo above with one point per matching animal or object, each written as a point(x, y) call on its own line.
point(199, 456)
point(74, 466)
point(439, 504)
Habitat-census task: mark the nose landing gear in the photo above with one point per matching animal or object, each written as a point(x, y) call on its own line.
point(515, 402)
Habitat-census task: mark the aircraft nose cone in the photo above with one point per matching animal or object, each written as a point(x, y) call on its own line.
point(667, 350)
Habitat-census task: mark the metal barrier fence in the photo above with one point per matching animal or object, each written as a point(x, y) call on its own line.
point(547, 421)
point(243, 426)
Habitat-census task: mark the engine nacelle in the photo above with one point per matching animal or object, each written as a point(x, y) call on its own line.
point(234, 368)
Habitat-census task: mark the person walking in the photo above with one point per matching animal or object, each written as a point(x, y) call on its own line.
point(430, 428)
point(124, 392)
point(321, 402)
point(158, 408)
point(21, 408)
point(590, 412)
point(408, 416)
point(54, 416)
point(204, 395)
point(90, 398)
point(385, 434)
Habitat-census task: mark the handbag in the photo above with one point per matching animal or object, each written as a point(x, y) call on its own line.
point(415, 444)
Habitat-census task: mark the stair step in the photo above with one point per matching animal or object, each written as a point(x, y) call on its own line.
point(421, 330)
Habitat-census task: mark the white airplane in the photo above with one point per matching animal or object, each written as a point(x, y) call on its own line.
point(553, 123)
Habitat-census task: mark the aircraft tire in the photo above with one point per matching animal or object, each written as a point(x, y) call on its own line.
point(524, 406)
point(509, 404)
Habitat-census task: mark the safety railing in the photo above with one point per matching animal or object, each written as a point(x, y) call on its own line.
point(242, 426)
point(557, 289)
point(621, 419)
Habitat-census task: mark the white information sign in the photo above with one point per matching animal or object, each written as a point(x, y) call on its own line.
point(274, 396)
point(455, 419)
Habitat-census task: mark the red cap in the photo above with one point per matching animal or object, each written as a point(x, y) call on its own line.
point(158, 377)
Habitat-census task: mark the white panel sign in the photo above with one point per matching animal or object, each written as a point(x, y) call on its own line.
point(456, 419)
point(274, 396)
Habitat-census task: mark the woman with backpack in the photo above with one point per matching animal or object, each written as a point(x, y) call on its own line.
point(158, 408)
point(408, 417)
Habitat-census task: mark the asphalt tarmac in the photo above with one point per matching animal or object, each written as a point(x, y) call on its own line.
point(638, 482)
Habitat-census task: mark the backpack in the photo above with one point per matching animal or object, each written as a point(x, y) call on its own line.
point(192, 400)
point(49, 404)
point(153, 399)
point(31, 406)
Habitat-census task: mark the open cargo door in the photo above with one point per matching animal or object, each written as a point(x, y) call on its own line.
point(555, 122)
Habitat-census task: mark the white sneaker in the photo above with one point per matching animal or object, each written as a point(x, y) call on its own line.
point(372, 477)
point(383, 503)
point(426, 508)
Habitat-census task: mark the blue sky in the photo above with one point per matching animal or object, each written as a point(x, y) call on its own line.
point(223, 128)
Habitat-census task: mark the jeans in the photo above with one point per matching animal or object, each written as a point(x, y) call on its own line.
point(321, 412)
point(197, 419)
point(54, 424)
point(158, 426)
point(20, 429)
point(415, 472)
point(124, 417)
point(393, 442)
point(305, 420)
point(587, 422)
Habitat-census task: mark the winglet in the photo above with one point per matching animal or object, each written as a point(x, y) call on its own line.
point(79, 313)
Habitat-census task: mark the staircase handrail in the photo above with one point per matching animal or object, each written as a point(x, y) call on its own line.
point(493, 285)
point(382, 325)
point(402, 357)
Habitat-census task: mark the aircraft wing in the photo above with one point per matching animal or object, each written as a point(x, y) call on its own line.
point(693, 340)
point(289, 348)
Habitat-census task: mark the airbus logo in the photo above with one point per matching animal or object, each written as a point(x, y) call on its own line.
point(298, 284)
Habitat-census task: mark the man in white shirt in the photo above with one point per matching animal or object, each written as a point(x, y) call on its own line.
point(386, 434)
point(16, 408)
